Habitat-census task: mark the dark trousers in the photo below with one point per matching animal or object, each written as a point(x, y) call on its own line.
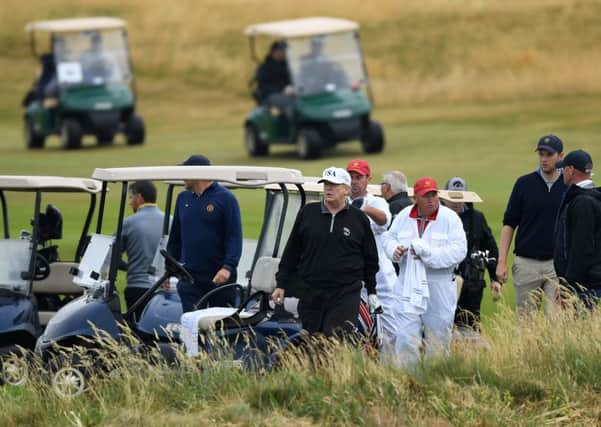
point(133, 294)
point(191, 293)
point(330, 311)
point(467, 314)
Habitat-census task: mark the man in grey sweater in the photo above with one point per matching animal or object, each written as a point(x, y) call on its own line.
point(141, 235)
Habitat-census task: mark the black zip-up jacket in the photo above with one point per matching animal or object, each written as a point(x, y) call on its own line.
point(330, 251)
point(272, 77)
point(479, 238)
point(398, 202)
point(577, 256)
point(532, 209)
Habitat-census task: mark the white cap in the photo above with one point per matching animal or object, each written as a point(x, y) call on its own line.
point(335, 175)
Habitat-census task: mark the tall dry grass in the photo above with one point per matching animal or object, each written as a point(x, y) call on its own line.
point(538, 372)
point(432, 51)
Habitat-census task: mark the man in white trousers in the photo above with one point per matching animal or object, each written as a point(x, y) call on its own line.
point(433, 235)
point(377, 211)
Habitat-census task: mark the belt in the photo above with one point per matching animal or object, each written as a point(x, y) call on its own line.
point(537, 258)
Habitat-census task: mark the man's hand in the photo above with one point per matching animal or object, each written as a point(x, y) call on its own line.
point(398, 253)
point(373, 303)
point(222, 276)
point(278, 296)
point(502, 272)
point(496, 289)
point(420, 248)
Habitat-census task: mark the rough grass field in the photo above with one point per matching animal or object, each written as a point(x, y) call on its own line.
point(462, 88)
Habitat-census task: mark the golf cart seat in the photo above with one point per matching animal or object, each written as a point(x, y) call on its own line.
point(59, 282)
point(262, 282)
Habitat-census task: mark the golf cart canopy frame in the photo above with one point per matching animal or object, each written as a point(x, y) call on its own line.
point(76, 24)
point(46, 184)
point(239, 176)
point(303, 27)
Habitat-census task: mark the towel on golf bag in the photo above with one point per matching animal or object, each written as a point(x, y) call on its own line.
point(414, 285)
point(190, 331)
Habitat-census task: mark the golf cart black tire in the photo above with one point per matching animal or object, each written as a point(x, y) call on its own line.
point(373, 138)
point(135, 131)
point(33, 140)
point(308, 144)
point(71, 134)
point(252, 140)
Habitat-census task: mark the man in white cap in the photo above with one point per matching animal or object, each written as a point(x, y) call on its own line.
point(332, 250)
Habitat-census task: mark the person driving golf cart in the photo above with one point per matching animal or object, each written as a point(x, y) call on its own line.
point(98, 63)
point(317, 72)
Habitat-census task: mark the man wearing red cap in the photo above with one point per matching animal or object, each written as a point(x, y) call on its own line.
point(376, 209)
point(431, 236)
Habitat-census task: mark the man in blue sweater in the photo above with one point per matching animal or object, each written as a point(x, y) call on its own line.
point(532, 209)
point(206, 236)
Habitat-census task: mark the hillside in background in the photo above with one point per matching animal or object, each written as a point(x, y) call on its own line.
point(418, 53)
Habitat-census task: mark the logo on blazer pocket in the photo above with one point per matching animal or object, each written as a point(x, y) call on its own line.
point(210, 207)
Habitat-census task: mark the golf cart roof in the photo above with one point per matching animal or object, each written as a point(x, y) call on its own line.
point(76, 24)
point(246, 176)
point(55, 184)
point(303, 27)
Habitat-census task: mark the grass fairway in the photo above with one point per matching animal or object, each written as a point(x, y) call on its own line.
point(462, 88)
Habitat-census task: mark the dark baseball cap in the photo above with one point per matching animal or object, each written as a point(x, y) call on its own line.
point(196, 160)
point(550, 143)
point(579, 159)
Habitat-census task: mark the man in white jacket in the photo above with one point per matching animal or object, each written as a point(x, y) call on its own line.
point(433, 235)
point(377, 211)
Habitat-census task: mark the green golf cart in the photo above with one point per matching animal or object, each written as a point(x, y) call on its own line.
point(329, 99)
point(85, 86)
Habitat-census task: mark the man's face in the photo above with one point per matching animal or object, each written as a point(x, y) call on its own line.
point(385, 190)
point(278, 55)
point(358, 184)
point(135, 201)
point(548, 160)
point(428, 203)
point(568, 175)
point(456, 206)
point(334, 192)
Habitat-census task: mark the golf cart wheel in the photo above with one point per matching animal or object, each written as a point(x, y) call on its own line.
point(15, 371)
point(308, 144)
point(71, 134)
point(254, 145)
point(134, 130)
point(68, 376)
point(32, 138)
point(373, 138)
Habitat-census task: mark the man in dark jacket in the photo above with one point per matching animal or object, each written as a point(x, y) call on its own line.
point(479, 238)
point(273, 75)
point(332, 250)
point(394, 190)
point(577, 255)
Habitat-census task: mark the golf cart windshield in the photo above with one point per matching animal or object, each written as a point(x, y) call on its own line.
point(91, 57)
point(326, 63)
point(16, 255)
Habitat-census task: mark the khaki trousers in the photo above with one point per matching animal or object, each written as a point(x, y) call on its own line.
point(534, 280)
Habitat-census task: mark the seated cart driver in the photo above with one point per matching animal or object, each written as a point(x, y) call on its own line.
point(99, 64)
point(317, 72)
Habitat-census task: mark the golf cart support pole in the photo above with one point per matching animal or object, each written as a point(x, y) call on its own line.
point(4, 215)
point(116, 250)
point(168, 209)
point(86, 227)
point(101, 207)
point(34, 238)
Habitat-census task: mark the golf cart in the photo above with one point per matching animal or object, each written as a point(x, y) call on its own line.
point(332, 100)
point(97, 312)
point(86, 84)
point(34, 279)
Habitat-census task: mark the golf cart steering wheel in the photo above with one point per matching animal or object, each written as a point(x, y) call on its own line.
point(174, 268)
point(42, 267)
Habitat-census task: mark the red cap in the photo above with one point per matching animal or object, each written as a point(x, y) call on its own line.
point(424, 185)
point(359, 166)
